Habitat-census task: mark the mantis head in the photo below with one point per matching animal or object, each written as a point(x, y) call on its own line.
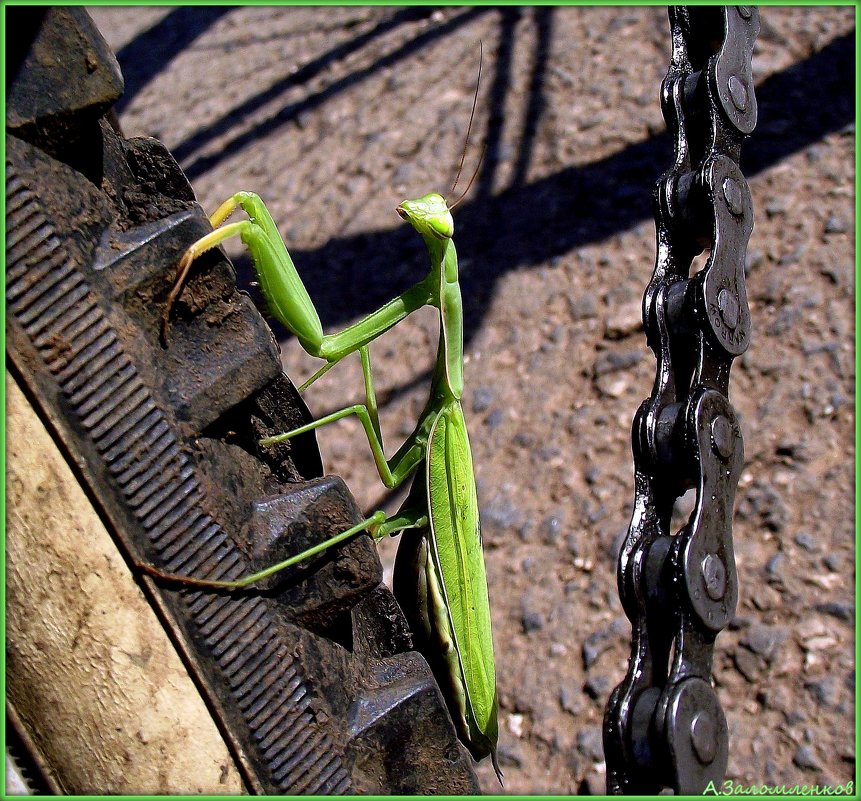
point(429, 215)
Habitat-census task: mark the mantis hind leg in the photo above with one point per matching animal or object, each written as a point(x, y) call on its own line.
point(377, 525)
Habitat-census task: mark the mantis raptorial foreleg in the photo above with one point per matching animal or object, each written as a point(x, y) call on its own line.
point(284, 290)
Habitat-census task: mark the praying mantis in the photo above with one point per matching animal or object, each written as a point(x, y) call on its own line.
point(439, 578)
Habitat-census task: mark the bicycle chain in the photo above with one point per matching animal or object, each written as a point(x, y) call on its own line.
point(664, 726)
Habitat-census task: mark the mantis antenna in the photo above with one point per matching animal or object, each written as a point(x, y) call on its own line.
point(468, 130)
point(474, 174)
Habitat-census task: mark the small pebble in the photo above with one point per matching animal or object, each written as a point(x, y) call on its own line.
point(753, 259)
point(774, 566)
point(531, 618)
point(764, 597)
point(494, 419)
point(554, 524)
point(805, 539)
point(747, 664)
point(482, 398)
point(825, 691)
point(763, 503)
point(836, 609)
point(764, 640)
point(626, 321)
point(501, 512)
point(590, 743)
point(794, 717)
point(612, 388)
point(793, 257)
point(775, 207)
point(532, 621)
point(612, 361)
point(772, 773)
point(558, 649)
point(597, 687)
point(525, 531)
point(805, 758)
point(784, 321)
point(596, 514)
point(558, 333)
point(834, 562)
point(515, 725)
point(583, 307)
point(524, 439)
point(778, 698)
point(569, 700)
point(836, 225)
point(595, 645)
point(545, 454)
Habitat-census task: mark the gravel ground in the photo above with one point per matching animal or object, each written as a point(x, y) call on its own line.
point(334, 115)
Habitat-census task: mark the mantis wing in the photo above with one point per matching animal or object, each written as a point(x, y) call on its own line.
point(455, 545)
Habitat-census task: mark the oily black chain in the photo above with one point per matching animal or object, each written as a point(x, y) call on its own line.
point(664, 726)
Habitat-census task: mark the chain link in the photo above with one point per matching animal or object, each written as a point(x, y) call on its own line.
point(664, 726)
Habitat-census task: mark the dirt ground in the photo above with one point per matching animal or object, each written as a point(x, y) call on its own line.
point(334, 115)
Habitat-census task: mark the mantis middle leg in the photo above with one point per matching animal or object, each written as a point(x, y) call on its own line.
point(392, 471)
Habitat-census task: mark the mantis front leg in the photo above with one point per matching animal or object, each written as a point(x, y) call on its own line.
point(284, 290)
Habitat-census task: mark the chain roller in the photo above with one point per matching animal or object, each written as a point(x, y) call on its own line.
point(664, 726)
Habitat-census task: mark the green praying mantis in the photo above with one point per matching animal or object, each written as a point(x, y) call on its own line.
point(440, 579)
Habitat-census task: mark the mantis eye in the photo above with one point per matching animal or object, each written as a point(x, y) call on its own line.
point(442, 226)
point(402, 213)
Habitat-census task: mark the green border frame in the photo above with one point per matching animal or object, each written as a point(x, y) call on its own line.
point(857, 341)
